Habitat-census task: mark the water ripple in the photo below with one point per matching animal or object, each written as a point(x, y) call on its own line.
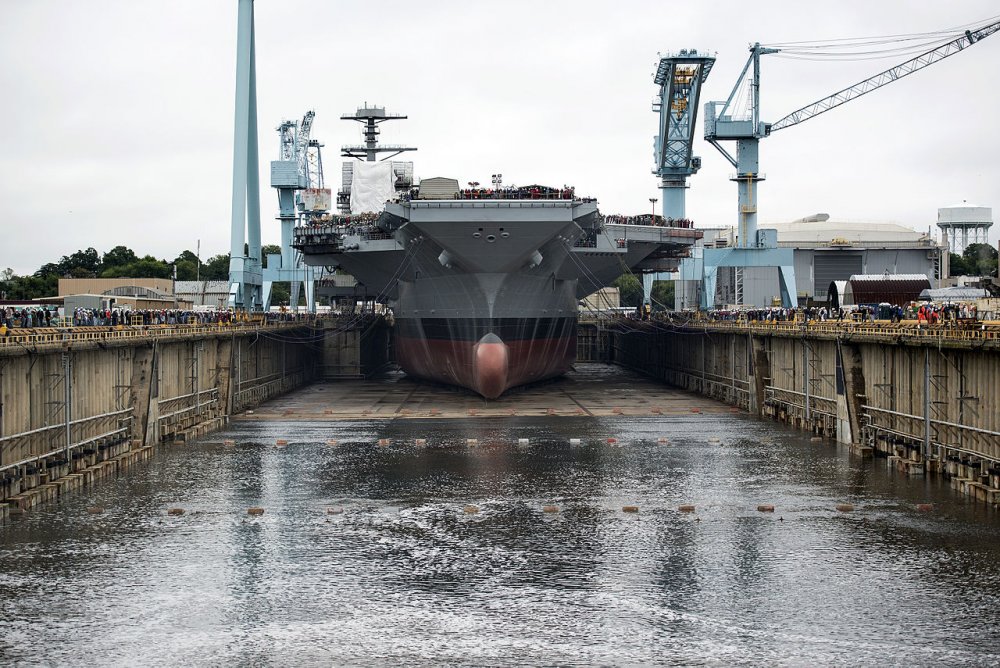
point(371, 555)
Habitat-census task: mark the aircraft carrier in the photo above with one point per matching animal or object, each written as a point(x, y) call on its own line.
point(484, 284)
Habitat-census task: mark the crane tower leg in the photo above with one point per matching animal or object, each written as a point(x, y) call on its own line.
point(293, 300)
point(746, 181)
point(310, 290)
point(253, 162)
point(244, 252)
point(673, 193)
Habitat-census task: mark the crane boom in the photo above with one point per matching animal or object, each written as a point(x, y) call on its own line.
point(882, 78)
point(302, 141)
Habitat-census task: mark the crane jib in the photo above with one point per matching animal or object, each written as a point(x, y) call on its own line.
point(875, 82)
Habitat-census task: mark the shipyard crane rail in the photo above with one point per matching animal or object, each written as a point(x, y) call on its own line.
point(875, 82)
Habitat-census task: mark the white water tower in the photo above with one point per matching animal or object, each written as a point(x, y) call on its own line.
point(965, 224)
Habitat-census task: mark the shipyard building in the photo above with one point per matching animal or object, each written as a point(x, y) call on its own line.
point(825, 250)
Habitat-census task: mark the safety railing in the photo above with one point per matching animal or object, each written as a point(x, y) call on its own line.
point(187, 402)
point(32, 338)
point(255, 390)
point(951, 436)
point(376, 234)
point(31, 446)
point(793, 399)
point(714, 385)
point(982, 331)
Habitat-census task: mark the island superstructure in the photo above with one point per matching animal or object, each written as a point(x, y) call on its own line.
point(484, 284)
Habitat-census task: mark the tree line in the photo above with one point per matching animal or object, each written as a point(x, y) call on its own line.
point(975, 260)
point(119, 262)
point(630, 292)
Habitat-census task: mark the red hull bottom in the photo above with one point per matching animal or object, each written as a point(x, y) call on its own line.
point(489, 366)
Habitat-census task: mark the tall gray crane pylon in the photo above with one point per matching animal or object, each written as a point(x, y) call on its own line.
point(245, 279)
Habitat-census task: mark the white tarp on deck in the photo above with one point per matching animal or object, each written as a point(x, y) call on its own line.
point(372, 184)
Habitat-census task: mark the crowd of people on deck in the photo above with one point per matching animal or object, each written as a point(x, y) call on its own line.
point(352, 219)
point(644, 219)
point(808, 313)
point(344, 221)
point(527, 192)
point(365, 224)
point(360, 224)
point(113, 317)
point(31, 316)
point(919, 312)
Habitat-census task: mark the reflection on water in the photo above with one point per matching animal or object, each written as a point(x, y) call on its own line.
point(404, 576)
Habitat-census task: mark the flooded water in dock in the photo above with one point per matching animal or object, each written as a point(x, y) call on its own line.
point(443, 551)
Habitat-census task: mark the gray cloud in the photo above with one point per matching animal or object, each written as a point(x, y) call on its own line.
point(118, 114)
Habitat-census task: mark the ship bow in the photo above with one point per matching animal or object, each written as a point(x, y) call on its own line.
point(491, 366)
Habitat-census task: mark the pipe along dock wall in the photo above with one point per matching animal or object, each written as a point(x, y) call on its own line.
point(76, 407)
point(929, 402)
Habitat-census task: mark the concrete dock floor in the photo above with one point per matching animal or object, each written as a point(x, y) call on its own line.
point(590, 389)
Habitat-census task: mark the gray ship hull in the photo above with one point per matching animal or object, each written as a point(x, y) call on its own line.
point(487, 332)
point(485, 293)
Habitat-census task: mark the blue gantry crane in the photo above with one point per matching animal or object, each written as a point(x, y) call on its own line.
point(680, 77)
point(290, 175)
point(733, 121)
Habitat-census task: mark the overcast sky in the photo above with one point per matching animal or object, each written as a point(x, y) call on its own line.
point(117, 115)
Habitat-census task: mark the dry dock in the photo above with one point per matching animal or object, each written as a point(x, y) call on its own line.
point(925, 397)
point(77, 406)
point(590, 389)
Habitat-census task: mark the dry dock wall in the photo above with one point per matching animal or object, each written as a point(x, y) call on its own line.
point(593, 342)
point(929, 401)
point(74, 408)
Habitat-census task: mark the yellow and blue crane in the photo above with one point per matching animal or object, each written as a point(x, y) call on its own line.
point(680, 77)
